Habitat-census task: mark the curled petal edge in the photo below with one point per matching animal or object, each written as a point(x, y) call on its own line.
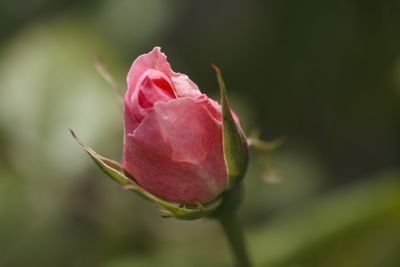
point(168, 209)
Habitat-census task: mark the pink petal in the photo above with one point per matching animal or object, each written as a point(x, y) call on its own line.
point(215, 109)
point(184, 86)
point(176, 152)
point(153, 86)
point(157, 60)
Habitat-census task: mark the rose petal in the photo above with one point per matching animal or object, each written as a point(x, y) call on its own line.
point(176, 152)
point(215, 108)
point(184, 86)
point(157, 60)
point(153, 86)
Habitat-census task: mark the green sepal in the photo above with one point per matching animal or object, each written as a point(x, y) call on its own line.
point(265, 146)
point(168, 209)
point(234, 140)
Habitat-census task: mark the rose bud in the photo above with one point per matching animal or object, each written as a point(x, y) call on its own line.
point(182, 150)
point(173, 143)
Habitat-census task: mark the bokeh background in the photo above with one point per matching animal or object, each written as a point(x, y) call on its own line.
point(324, 75)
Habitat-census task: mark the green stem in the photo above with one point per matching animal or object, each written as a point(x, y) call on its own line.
point(226, 214)
point(234, 234)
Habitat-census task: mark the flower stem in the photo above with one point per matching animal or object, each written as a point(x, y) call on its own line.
point(228, 218)
point(234, 234)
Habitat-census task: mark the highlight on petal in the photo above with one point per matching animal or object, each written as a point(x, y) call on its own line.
point(184, 86)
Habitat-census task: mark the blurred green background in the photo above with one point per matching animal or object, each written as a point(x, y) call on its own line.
point(325, 75)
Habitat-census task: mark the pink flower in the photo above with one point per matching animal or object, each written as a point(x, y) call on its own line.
point(173, 134)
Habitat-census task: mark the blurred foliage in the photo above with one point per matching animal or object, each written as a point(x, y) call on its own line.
point(323, 74)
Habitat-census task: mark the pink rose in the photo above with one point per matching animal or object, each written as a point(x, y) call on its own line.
point(173, 134)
